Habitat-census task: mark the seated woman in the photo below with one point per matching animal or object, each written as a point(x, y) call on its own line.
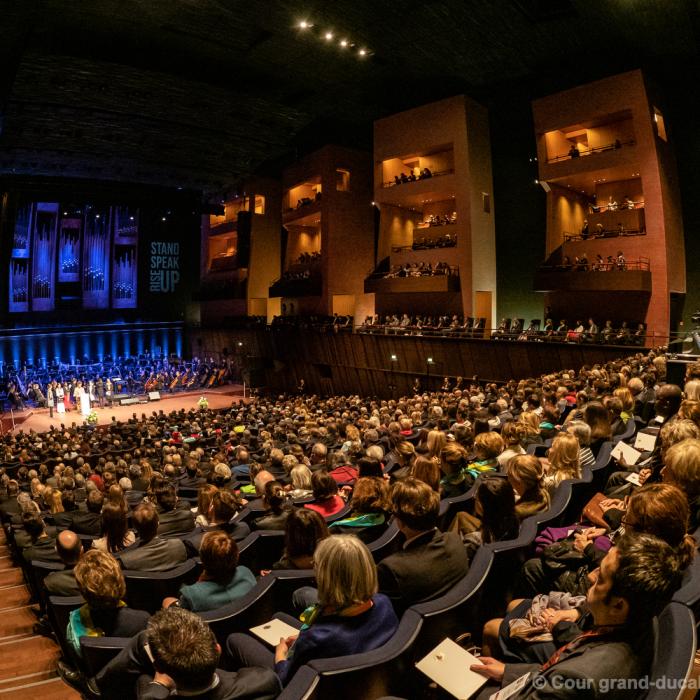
point(487, 447)
point(303, 531)
point(116, 534)
point(598, 418)
point(428, 471)
point(221, 582)
point(512, 434)
point(562, 461)
point(275, 501)
point(326, 499)
point(531, 433)
point(300, 486)
point(453, 463)
point(350, 617)
point(204, 497)
point(494, 505)
point(104, 614)
point(369, 517)
point(657, 509)
point(526, 476)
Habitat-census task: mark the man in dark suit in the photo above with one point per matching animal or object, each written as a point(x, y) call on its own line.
point(153, 553)
point(83, 522)
point(9, 505)
point(634, 582)
point(42, 546)
point(138, 483)
point(431, 562)
point(173, 516)
point(224, 506)
point(181, 659)
point(69, 549)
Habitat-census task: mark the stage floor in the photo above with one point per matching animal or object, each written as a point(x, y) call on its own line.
point(38, 418)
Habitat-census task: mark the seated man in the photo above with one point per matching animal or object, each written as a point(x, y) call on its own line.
point(431, 562)
point(634, 582)
point(69, 549)
point(42, 546)
point(83, 522)
point(224, 506)
point(153, 552)
point(172, 516)
point(178, 655)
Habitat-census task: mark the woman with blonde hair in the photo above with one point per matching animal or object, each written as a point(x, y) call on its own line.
point(204, 498)
point(526, 476)
point(691, 390)
point(435, 444)
point(349, 618)
point(427, 471)
point(563, 461)
point(56, 504)
point(512, 433)
point(531, 435)
point(453, 463)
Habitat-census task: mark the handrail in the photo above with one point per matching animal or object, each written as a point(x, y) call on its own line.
point(617, 144)
point(453, 272)
point(418, 178)
point(613, 233)
point(641, 263)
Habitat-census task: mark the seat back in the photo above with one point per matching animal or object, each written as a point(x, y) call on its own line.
point(382, 671)
point(262, 549)
point(38, 571)
point(387, 544)
point(601, 468)
point(340, 515)
point(254, 608)
point(145, 590)
point(630, 430)
point(449, 507)
point(689, 592)
point(675, 641)
point(58, 610)
point(458, 610)
point(99, 651)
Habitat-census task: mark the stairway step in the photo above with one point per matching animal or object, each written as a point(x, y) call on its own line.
point(50, 689)
point(14, 596)
point(26, 656)
point(11, 577)
point(6, 562)
point(17, 621)
point(27, 678)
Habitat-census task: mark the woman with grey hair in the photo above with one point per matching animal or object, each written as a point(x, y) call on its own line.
point(582, 431)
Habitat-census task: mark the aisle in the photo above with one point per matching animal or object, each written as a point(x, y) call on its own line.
point(27, 660)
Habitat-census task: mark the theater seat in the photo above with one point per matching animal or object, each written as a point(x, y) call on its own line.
point(145, 590)
point(99, 651)
point(675, 642)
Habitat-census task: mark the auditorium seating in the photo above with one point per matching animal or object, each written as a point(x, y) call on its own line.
point(145, 590)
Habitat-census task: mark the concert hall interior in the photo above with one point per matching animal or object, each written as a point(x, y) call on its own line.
point(232, 227)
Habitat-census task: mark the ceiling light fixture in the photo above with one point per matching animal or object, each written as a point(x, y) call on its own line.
point(305, 25)
point(362, 52)
point(343, 43)
point(329, 36)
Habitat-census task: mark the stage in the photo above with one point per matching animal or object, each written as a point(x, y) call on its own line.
point(38, 418)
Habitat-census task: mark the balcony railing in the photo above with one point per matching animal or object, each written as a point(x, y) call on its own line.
point(591, 151)
point(416, 178)
point(604, 233)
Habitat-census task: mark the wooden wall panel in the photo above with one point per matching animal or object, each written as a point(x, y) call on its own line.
point(362, 363)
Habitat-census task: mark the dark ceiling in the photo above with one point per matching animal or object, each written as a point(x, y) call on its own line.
point(200, 93)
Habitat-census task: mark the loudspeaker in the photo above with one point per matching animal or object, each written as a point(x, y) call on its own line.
point(243, 228)
point(129, 402)
point(154, 395)
point(675, 369)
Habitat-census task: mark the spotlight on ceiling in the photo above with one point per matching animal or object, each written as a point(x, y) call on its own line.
point(305, 25)
point(362, 52)
point(328, 36)
point(343, 43)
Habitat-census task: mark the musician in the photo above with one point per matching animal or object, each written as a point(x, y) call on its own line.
point(109, 390)
point(15, 397)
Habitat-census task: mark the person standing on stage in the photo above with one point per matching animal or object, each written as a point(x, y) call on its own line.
point(109, 388)
point(50, 398)
point(100, 392)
